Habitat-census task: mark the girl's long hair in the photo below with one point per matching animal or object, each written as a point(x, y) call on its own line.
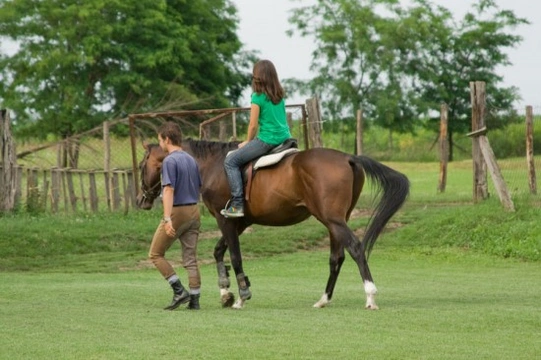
point(265, 81)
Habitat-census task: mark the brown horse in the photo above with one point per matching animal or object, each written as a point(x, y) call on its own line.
point(319, 182)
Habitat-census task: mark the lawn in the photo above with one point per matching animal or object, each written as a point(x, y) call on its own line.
point(443, 306)
point(456, 280)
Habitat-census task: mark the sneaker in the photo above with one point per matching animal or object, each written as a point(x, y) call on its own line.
point(233, 212)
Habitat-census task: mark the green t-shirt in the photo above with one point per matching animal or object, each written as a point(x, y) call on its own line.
point(272, 120)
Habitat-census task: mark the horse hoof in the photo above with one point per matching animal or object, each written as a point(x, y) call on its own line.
point(371, 307)
point(324, 301)
point(239, 304)
point(228, 300)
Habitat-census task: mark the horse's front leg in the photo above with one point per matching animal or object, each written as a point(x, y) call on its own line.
point(232, 238)
point(231, 229)
point(226, 297)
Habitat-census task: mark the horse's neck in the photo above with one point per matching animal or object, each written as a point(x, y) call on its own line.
point(202, 150)
point(209, 156)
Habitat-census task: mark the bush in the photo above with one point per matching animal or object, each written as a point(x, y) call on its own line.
point(511, 141)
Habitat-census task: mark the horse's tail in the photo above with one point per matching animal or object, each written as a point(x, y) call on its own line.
point(395, 187)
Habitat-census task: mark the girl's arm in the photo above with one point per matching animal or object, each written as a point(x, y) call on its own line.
point(253, 125)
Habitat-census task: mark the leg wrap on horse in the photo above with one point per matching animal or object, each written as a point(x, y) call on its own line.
point(244, 286)
point(223, 275)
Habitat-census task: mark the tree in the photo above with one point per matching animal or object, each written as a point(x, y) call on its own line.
point(359, 59)
point(81, 61)
point(401, 63)
point(452, 54)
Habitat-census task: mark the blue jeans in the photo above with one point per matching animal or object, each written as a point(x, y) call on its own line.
point(235, 160)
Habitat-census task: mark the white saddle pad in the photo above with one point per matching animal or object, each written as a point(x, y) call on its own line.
point(272, 159)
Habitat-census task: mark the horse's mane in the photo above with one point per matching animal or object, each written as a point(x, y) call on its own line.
point(204, 148)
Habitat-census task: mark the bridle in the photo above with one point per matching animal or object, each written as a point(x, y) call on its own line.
point(149, 193)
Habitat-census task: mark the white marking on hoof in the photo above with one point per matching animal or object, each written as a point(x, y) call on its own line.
point(371, 291)
point(239, 304)
point(226, 297)
point(324, 301)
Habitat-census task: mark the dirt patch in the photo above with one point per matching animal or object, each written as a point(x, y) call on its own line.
point(321, 244)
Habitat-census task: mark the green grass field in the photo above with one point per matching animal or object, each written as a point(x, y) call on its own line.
point(456, 281)
point(443, 306)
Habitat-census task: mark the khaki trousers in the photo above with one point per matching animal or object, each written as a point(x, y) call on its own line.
point(186, 222)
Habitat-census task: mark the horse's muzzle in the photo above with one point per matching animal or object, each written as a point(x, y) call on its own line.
point(143, 202)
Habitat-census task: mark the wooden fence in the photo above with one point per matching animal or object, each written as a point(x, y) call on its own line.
point(70, 190)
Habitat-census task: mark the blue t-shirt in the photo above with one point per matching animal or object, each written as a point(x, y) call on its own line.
point(180, 171)
point(273, 128)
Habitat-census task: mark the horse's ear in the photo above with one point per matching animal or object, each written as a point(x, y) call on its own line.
point(145, 144)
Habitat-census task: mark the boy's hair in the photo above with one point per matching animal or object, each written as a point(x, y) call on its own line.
point(172, 131)
point(265, 81)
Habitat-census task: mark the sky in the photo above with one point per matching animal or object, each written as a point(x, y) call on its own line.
point(263, 26)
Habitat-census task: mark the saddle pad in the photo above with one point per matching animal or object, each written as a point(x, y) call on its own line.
point(272, 159)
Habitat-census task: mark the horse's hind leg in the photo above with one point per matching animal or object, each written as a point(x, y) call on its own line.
point(356, 249)
point(336, 260)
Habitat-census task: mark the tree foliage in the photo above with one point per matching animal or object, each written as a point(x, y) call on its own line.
point(451, 54)
point(81, 61)
point(357, 58)
point(400, 63)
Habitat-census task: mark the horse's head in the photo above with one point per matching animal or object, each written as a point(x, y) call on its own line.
point(150, 169)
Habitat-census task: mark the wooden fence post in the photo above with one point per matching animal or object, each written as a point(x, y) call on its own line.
point(115, 189)
point(444, 147)
point(8, 164)
point(92, 191)
point(125, 184)
point(482, 153)
point(234, 125)
point(497, 178)
point(131, 190)
point(63, 174)
point(45, 189)
point(304, 127)
point(81, 183)
point(135, 164)
point(222, 134)
point(314, 122)
point(289, 118)
point(108, 191)
point(55, 189)
point(478, 101)
point(532, 181)
point(359, 136)
point(71, 190)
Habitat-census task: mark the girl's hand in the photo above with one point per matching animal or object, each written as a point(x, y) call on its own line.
point(243, 143)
